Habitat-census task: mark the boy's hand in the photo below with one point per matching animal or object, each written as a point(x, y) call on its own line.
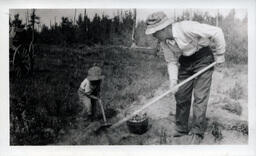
point(94, 97)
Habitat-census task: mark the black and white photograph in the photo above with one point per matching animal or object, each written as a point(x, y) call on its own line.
point(127, 78)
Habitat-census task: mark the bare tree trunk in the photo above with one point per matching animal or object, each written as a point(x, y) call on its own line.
point(85, 21)
point(191, 14)
point(75, 17)
point(134, 27)
point(217, 18)
point(174, 14)
point(27, 17)
point(33, 25)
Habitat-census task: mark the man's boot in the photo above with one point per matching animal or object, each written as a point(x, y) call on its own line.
point(196, 139)
point(179, 133)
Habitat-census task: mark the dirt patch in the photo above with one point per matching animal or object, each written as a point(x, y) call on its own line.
point(223, 127)
point(227, 128)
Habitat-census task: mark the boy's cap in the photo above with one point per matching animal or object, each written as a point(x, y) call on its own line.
point(94, 73)
point(157, 21)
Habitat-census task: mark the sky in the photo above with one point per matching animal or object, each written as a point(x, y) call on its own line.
point(48, 16)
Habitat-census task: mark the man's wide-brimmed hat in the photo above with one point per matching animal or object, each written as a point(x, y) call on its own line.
point(157, 21)
point(95, 73)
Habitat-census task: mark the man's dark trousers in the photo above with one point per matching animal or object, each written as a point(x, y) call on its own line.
point(199, 86)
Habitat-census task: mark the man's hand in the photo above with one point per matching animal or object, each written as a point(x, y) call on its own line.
point(219, 67)
point(173, 85)
point(220, 63)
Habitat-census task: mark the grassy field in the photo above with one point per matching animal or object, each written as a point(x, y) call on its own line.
point(48, 100)
point(44, 107)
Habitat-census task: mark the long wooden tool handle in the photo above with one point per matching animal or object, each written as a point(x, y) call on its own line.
point(162, 95)
point(103, 112)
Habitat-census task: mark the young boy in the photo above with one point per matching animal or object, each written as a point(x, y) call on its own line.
point(89, 91)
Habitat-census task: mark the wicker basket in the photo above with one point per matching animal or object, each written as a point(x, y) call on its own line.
point(139, 127)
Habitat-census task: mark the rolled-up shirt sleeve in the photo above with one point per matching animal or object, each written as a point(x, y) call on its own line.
point(213, 33)
point(85, 87)
point(171, 60)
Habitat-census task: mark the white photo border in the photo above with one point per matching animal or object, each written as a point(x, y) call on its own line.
point(6, 149)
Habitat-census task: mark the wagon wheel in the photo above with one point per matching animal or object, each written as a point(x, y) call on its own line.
point(22, 60)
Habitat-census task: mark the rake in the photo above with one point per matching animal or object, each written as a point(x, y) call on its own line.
point(161, 96)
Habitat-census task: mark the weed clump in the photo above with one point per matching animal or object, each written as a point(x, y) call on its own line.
point(240, 127)
point(232, 106)
point(236, 92)
point(215, 130)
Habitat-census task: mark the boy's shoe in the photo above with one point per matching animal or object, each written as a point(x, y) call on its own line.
point(179, 134)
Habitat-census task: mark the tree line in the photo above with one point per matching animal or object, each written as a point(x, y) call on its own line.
point(118, 30)
point(98, 30)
